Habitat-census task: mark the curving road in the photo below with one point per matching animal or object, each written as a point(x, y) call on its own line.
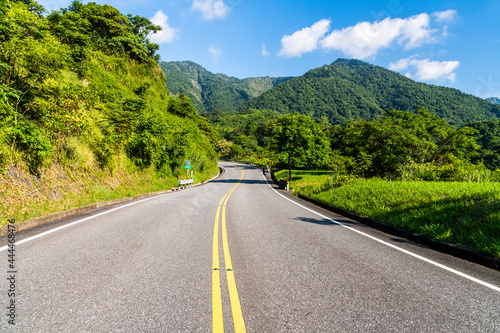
point(274, 264)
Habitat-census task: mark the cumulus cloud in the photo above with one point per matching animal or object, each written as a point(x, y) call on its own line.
point(446, 16)
point(305, 40)
point(416, 31)
point(264, 52)
point(211, 9)
point(215, 52)
point(427, 70)
point(167, 34)
point(400, 65)
point(366, 39)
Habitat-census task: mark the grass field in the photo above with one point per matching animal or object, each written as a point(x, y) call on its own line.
point(463, 213)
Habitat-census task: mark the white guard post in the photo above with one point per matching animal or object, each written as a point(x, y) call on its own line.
point(185, 182)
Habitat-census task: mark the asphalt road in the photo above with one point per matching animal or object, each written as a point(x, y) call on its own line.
point(149, 267)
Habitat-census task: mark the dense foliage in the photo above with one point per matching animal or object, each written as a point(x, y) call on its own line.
point(488, 137)
point(211, 92)
point(299, 141)
point(82, 87)
point(104, 28)
point(402, 139)
point(351, 89)
point(402, 145)
point(243, 134)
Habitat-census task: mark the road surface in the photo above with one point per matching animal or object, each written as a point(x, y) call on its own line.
point(274, 264)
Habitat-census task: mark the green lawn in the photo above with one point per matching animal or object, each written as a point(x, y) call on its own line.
point(463, 213)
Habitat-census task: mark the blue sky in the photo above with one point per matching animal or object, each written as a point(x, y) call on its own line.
point(449, 43)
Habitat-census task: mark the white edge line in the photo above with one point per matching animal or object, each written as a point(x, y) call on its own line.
point(88, 218)
point(79, 221)
point(486, 284)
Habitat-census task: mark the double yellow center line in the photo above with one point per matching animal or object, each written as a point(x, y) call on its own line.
point(217, 320)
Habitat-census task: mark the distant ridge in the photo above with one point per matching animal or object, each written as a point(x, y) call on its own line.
point(494, 100)
point(210, 91)
point(349, 89)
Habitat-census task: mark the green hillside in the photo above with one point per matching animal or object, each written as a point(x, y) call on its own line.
point(349, 89)
point(84, 110)
point(211, 92)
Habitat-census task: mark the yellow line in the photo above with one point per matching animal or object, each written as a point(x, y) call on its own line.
point(217, 318)
point(217, 321)
point(239, 324)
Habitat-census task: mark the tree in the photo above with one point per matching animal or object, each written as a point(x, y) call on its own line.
point(106, 29)
point(383, 146)
point(33, 7)
point(299, 141)
point(182, 106)
point(489, 139)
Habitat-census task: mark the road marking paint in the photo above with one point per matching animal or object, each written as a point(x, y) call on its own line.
point(80, 221)
point(449, 269)
point(217, 318)
point(239, 324)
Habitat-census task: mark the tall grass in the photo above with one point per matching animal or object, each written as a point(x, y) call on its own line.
point(463, 213)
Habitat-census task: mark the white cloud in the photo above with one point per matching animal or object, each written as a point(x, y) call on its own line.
point(446, 16)
point(211, 9)
point(416, 31)
point(264, 52)
point(366, 39)
point(400, 65)
point(215, 52)
point(305, 40)
point(167, 34)
point(427, 70)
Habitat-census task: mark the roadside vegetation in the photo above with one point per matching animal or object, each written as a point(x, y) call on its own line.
point(85, 116)
point(409, 169)
point(463, 213)
point(84, 111)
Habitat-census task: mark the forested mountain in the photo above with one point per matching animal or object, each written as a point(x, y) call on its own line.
point(494, 100)
point(211, 92)
point(349, 89)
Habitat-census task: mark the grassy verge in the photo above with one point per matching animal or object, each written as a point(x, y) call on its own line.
point(24, 197)
point(463, 213)
point(303, 180)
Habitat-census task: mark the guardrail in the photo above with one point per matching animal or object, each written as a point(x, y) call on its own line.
point(185, 182)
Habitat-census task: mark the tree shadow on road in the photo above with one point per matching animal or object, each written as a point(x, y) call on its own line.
point(316, 221)
point(337, 222)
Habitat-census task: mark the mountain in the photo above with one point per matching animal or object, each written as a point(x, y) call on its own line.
point(210, 91)
point(494, 100)
point(349, 89)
